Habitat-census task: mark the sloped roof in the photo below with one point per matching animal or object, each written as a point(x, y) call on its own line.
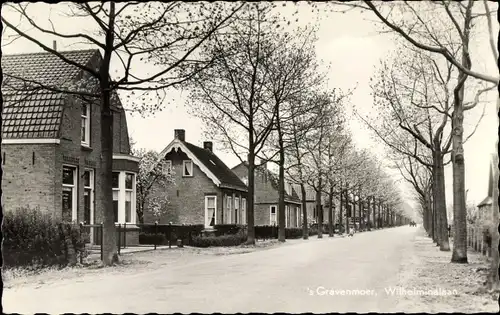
point(216, 166)
point(274, 180)
point(487, 201)
point(29, 113)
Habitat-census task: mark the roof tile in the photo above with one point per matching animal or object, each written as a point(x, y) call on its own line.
point(36, 114)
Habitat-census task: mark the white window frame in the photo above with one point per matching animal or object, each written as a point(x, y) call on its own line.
point(237, 209)
point(184, 168)
point(207, 219)
point(132, 197)
point(243, 211)
point(271, 215)
point(122, 197)
point(74, 192)
point(86, 140)
point(92, 189)
point(118, 190)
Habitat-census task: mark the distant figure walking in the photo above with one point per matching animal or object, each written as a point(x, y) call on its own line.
point(449, 230)
point(351, 232)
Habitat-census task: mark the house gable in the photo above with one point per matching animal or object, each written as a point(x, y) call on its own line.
point(266, 184)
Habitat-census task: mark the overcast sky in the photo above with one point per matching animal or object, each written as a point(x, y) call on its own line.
point(353, 47)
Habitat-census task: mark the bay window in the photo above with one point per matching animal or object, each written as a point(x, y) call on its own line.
point(124, 191)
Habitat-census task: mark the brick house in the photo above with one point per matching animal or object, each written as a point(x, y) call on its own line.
point(312, 212)
point(267, 197)
point(205, 192)
point(484, 224)
point(51, 143)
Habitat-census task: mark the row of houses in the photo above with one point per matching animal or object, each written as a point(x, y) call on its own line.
point(51, 158)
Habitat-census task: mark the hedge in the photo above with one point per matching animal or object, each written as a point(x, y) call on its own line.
point(224, 240)
point(151, 239)
point(174, 232)
point(35, 239)
point(228, 229)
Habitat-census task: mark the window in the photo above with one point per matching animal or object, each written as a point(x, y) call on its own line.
point(88, 197)
point(124, 191)
point(129, 192)
point(69, 193)
point(210, 206)
point(287, 213)
point(228, 209)
point(297, 210)
point(166, 167)
point(187, 168)
point(85, 124)
point(236, 209)
point(116, 193)
point(272, 217)
point(243, 211)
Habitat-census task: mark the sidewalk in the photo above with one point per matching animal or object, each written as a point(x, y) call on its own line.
point(459, 287)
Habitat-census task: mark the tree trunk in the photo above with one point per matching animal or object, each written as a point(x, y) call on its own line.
point(281, 202)
point(347, 214)
point(459, 209)
point(320, 209)
point(281, 190)
point(440, 194)
point(305, 227)
point(341, 219)
point(330, 212)
point(250, 197)
point(109, 248)
point(368, 221)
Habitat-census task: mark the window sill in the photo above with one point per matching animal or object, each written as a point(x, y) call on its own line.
point(86, 147)
point(187, 176)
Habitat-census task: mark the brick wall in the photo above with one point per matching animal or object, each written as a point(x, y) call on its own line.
point(186, 196)
point(28, 184)
point(41, 184)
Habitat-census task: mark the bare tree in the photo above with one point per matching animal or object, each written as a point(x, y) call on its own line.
point(124, 33)
point(444, 28)
point(232, 95)
point(293, 71)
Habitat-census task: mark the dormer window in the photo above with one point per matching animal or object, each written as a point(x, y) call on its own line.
point(187, 168)
point(85, 124)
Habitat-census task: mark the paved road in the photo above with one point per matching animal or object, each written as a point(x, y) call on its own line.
point(288, 279)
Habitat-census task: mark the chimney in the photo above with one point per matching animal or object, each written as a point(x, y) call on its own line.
point(180, 134)
point(208, 145)
point(54, 45)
